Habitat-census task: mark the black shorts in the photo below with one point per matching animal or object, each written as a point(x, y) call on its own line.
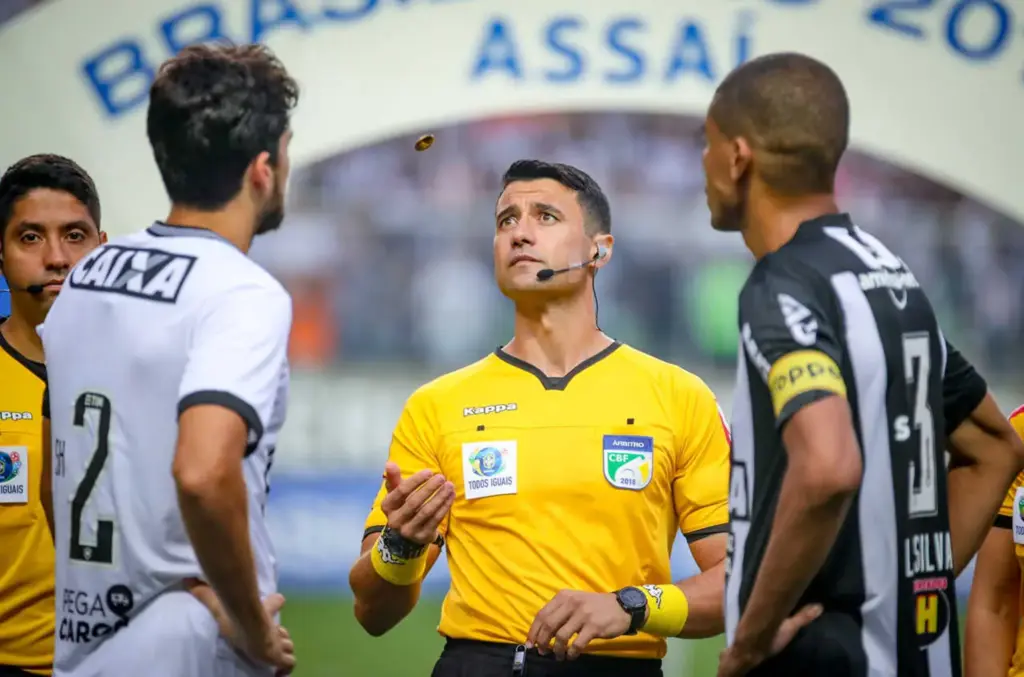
point(466, 658)
point(8, 671)
point(829, 646)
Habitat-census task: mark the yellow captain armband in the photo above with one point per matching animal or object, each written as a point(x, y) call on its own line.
point(667, 610)
point(802, 372)
point(394, 568)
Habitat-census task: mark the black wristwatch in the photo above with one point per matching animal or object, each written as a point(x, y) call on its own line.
point(634, 602)
point(399, 547)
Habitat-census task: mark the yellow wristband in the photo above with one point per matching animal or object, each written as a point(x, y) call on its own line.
point(667, 610)
point(394, 570)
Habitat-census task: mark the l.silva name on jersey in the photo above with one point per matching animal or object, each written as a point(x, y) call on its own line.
point(86, 616)
point(149, 274)
point(928, 553)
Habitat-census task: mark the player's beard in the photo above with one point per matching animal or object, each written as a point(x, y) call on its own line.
point(732, 214)
point(272, 215)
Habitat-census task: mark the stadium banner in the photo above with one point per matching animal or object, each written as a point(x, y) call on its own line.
point(923, 75)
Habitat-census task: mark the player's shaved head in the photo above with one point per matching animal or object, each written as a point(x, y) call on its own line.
point(794, 113)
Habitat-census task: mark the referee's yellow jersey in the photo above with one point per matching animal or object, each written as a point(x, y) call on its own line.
point(578, 482)
point(26, 548)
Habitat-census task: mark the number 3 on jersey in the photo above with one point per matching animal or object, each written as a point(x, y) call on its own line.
point(102, 551)
point(922, 498)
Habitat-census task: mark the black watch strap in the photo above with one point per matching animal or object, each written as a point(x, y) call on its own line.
point(400, 547)
point(634, 602)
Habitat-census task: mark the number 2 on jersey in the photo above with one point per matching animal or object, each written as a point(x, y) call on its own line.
point(103, 550)
point(923, 494)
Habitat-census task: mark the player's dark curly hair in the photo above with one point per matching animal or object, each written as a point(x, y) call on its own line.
point(794, 112)
point(212, 110)
point(588, 193)
point(46, 170)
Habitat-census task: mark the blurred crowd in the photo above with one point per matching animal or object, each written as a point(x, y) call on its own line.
point(388, 251)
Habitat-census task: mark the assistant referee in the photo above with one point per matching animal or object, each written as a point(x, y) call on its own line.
point(49, 219)
point(568, 460)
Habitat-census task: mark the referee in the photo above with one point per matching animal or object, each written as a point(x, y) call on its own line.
point(564, 459)
point(49, 219)
point(847, 398)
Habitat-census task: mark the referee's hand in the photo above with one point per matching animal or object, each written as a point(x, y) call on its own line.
point(417, 505)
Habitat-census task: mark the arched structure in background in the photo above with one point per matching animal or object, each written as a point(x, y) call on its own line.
point(936, 89)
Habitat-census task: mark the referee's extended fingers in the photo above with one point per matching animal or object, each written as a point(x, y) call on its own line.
point(397, 498)
point(434, 509)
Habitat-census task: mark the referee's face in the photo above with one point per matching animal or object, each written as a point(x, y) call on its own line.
point(723, 179)
point(538, 224)
point(49, 231)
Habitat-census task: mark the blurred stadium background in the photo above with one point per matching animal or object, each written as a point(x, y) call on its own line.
point(387, 256)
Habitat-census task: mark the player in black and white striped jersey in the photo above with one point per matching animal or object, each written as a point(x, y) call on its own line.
point(847, 399)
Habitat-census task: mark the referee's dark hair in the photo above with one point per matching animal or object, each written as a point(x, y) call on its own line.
point(588, 194)
point(46, 170)
point(794, 112)
point(212, 110)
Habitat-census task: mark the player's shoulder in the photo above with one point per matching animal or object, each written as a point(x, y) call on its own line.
point(662, 374)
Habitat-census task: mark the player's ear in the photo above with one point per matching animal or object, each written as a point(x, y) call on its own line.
point(261, 175)
point(103, 237)
point(603, 244)
point(741, 157)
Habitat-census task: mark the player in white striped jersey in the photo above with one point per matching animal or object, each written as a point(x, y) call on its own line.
point(168, 379)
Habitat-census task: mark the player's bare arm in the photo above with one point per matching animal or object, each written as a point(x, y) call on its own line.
point(214, 506)
point(387, 589)
point(993, 608)
point(985, 456)
point(824, 473)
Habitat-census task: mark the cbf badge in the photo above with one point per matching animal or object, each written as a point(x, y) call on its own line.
point(13, 475)
point(628, 461)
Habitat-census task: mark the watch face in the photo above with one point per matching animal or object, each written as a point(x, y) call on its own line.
point(633, 598)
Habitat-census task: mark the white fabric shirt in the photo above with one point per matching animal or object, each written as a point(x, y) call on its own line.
point(146, 326)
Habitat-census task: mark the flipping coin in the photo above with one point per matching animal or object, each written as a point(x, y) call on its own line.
point(424, 142)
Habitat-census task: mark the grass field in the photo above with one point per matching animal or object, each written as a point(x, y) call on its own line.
point(329, 642)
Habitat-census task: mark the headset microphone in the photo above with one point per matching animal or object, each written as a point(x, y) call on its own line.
point(546, 274)
point(31, 289)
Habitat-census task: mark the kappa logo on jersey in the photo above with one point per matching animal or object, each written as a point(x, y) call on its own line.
point(149, 274)
point(15, 415)
point(799, 320)
point(489, 409)
point(655, 592)
point(628, 461)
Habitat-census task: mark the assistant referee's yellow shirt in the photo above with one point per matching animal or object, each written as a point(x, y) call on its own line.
point(579, 482)
point(26, 548)
point(1011, 515)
